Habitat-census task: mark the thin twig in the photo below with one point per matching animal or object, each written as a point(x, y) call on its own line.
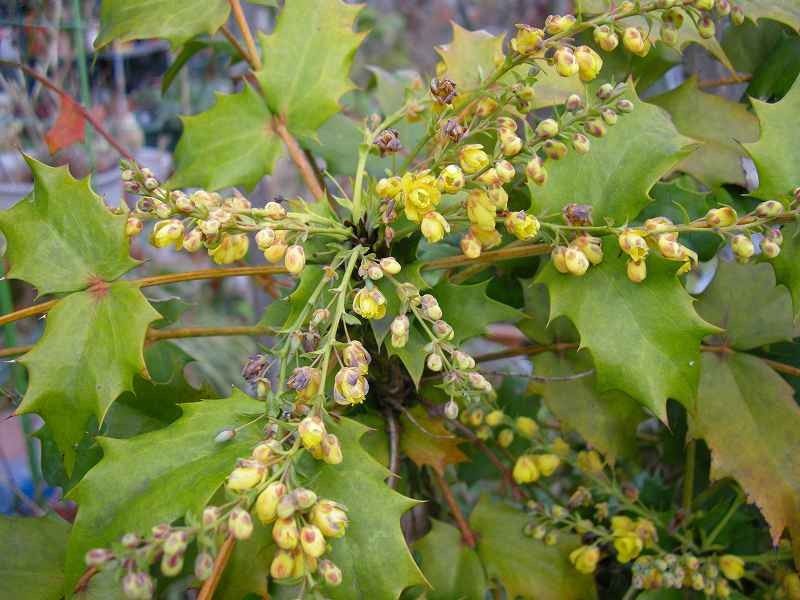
point(466, 532)
point(299, 158)
point(542, 378)
point(83, 582)
point(235, 43)
point(210, 584)
point(394, 446)
point(743, 78)
point(80, 108)
point(252, 52)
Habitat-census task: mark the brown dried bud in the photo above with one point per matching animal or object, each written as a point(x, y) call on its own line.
point(454, 130)
point(443, 90)
point(388, 142)
point(255, 368)
point(578, 214)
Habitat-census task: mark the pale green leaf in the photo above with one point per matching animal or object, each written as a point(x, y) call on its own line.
point(608, 420)
point(61, 237)
point(644, 338)
point(230, 144)
point(748, 416)
point(88, 355)
point(717, 122)
point(471, 56)
point(159, 476)
point(33, 557)
point(526, 568)
point(307, 62)
point(469, 310)
point(375, 561)
point(615, 178)
point(783, 11)
point(787, 265)
point(452, 568)
point(777, 152)
point(745, 301)
point(125, 20)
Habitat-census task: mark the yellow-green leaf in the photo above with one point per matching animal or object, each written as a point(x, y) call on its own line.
point(749, 418)
point(644, 337)
point(471, 56)
point(783, 11)
point(720, 124)
point(307, 61)
point(617, 175)
point(33, 557)
point(777, 151)
point(124, 20)
point(89, 353)
point(526, 568)
point(232, 143)
point(787, 265)
point(61, 237)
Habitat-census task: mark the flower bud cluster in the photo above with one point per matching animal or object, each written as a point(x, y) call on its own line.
point(711, 575)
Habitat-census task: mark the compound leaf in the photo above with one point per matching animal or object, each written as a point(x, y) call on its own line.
point(158, 476)
point(644, 338)
point(777, 152)
point(88, 355)
point(307, 61)
point(232, 143)
point(61, 237)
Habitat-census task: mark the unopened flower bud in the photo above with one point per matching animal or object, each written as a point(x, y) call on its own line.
point(462, 360)
point(528, 40)
point(166, 233)
point(636, 270)
point(430, 307)
point(133, 227)
point(203, 566)
point(526, 427)
point(224, 436)
point(576, 262)
point(389, 187)
point(609, 116)
point(522, 225)
point(525, 470)
point(635, 42)
point(138, 586)
point(305, 381)
point(742, 247)
point(625, 106)
point(589, 461)
point(558, 256)
point(605, 37)
point(434, 227)
point(265, 238)
point(311, 430)
point(330, 518)
point(510, 144)
point(506, 125)
point(589, 63)
point(724, 216)
point(581, 143)
point(769, 209)
point(171, 564)
point(282, 565)
point(285, 533)
point(565, 62)
point(737, 15)
point(669, 34)
point(240, 524)
point(267, 502)
point(595, 128)
point(434, 362)
point(555, 24)
point(230, 249)
point(554, 149)
point(535, 171)
point(330, 573)
point(244, 478)
point(769, 248)
point(706, 27)
point(451, 410)
point(274, 211)
point(331, 450)
point(97, 557)
point(295, 259)
point(547, 128)
point(451, 179)
point(574, 103)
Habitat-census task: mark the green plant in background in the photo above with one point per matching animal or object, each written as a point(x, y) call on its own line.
point(625, 466)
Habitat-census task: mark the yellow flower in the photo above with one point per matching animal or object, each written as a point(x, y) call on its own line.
point(350, 386)
point(560, 447)
point(505, 438)
point(791, 584)
point(481, 210)
point(554, 24)
point(528, 39)
point(472, 158)
point(621, 524)
point(585, 559)
point(565, 62)
point(434, 227)
point(525, 470)
point(311, 430)
point(451, 179)
point(505, 171)
point(305, 381)
point(285, 533)
point(389, 187)
point(628, 547)
point(637, 270)
point(589, 461)
point(230, 249)
point(646, 531)
point(295, 259)
point(731, 566)
point(487, 239)
point(526, 427)
point(166, 233)
point(635, 41)
point(470, 246)
point(632, 243)
point(589, 63)
point(547, 463)
point(510, 143)
point(495, 418)
point(370, 304)
point(420, 194)
point(592, 247)
point(267, 502)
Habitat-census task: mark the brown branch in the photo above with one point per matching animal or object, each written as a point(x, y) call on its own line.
point(83, 582)
point(492, 256)
point(712, 83)
point(394, 447)
point(210, 584)
point(298, 158)
point(30, 311)
point(466, 532)
point(252, 52)
point(64, 94)
point(208, 274)
point(782, 367)
point(236, 44)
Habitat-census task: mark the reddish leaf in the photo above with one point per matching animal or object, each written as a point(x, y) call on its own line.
point(69, 127)
point(426, 441)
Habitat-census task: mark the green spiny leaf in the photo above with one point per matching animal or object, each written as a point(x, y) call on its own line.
point(644, 338)
point(89, 353)
point(787, 265)
point(745, 301)
point(33, 557)
point(158, 476)
point(777, 151)
point(719, 123)
point(469, 310)
point(526, 568)
point(232, 143)
point(61, 237)
point(307, 62)
point(124, 20)
point(453, 569)
point(617, 175)
point(471, 56)
point(747, 415)
point(783, 11)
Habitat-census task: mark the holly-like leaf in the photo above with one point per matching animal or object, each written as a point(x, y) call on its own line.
point(452, 568)
point(232, 143)
point(644, 337)
point(61, 237)
point(248, 568)
point(469, 310)
point(745, 301)
point(471, 56)
point(617, 175)
point(426, 441)
point(69, 127)
point(606, 420)
point(787, 265)
point(88, 355)
point(307, 62)
point(747, 415)
point(375, 561)
point(783, 11)
point(125, 20)
point(33, 557)
point(526, 568)
point(722, 127)
point(777, 151)
point(158, 476)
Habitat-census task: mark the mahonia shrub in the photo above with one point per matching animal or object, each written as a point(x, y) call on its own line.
point(642, 444)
